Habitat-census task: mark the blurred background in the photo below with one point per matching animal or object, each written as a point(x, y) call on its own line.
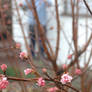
point(14, 28)
point(65, 14)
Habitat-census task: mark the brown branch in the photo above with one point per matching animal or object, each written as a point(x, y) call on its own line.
point(87, 6)
point(58, 29)
point(22, 28)
point(71, 87)
point(21, 79)
point(89, 86)
point(47, 79)
point(26, 43)
point(26, 79)
point(75, 28)
point(80, 52)
point(82, 83)
point(33, 9)
point(41, 32)
point(90, 56)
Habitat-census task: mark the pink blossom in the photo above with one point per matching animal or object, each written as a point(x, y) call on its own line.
point(64, 66)
point(3, 67)
point(65, 78)
point(78, 71)
point(69, 56)
point(23, 55)
point(41, 82)
point(44, 70)
point(27, 71)
point(54, 89)
point(3, 83)
point(18, 45)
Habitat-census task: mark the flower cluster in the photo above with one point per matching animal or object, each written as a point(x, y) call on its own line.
point(3, 83)
point(66, 78)
point(3, 67)
point(23, 55)
point(41, 82)
point(78, 72)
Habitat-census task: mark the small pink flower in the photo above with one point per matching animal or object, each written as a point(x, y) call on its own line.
point(64, 66)
point(3, 67)
point(23, 55)
point(18, 45)
point(3, 83)
point(54, 89)
point(27, 71)
point(65, 78)
point(78, 71)
point(69, 56)
point(41, 82)
point(44, 70)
